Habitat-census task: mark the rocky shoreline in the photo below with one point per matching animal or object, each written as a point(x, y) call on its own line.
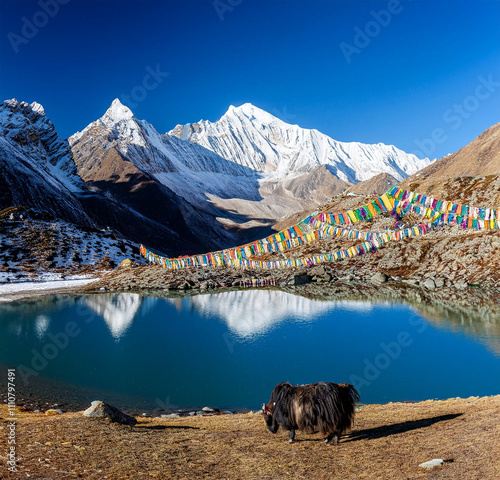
point(448, 260)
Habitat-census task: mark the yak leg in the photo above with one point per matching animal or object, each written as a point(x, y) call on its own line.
point(333, 438)
point(291, 436)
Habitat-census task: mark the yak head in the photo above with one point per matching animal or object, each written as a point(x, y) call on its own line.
point(272, 425)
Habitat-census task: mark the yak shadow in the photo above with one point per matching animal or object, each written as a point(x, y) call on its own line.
point(165, 427)
point(394, 429)
point(387, 430)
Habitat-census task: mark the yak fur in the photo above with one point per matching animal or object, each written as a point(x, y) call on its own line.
point(325, 407)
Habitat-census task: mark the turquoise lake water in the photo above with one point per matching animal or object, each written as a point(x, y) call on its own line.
point(229, 350)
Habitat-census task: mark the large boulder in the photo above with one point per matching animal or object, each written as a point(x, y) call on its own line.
point(379, 278)
point(103, 410)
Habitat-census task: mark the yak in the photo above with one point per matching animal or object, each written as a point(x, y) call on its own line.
point(323, 407)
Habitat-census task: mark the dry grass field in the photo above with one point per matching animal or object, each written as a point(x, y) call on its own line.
point(388, 442)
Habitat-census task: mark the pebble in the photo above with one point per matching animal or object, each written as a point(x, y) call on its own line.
point(439, 282)
point(53, 411)
point(429, 283)
point(435, 462)
point(379, 278)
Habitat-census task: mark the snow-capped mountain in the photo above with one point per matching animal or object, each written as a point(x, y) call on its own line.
point(251, 137)
point(230, 180)
point(189, 170)
point(27, 127)
point(199, 187)
point(161, 177)
point(36, 166)
point(37, 171)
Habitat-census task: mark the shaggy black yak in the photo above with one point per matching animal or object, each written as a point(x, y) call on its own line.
point(323, 407)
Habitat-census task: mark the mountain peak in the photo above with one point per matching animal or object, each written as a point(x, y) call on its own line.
point(251, 112)
point(117, 111)
point(37, 108)
point(246, 108)
point(11, 102)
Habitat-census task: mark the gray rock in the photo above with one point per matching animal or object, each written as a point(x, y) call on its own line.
point(103, 410)
point(435, 462)
point(210, 410)
point(318, 271)
point(460, 284)
point(346, 278)
point(439, 282)
point(379, 278)
point(325, 278)
point(429, 284)
point(170, 415)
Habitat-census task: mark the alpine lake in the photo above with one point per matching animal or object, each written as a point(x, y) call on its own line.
point(228, 350)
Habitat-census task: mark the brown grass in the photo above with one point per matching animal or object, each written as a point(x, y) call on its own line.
point(387, 442)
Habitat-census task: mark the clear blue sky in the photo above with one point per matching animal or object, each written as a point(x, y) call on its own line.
point(418, 70)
